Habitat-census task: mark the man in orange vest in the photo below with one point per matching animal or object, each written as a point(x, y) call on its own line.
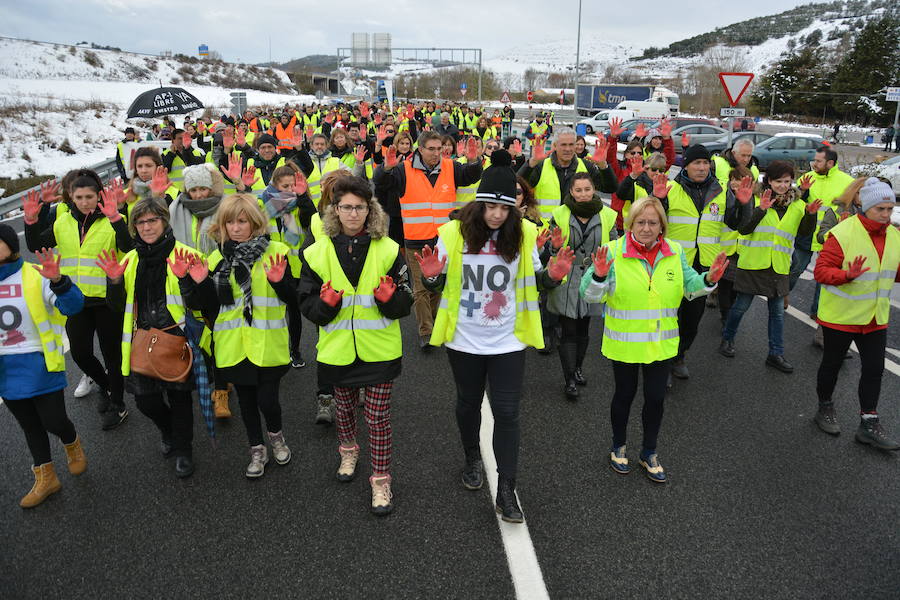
point(426, 185)
point(284, 131)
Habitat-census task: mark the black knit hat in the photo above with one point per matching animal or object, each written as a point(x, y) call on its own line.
point(267, 139)
point(9, 237)
point(498, 181)
point(695, 152)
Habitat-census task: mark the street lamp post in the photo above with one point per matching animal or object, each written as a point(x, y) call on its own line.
point(577, 64)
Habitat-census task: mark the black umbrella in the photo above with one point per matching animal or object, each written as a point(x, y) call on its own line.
point(163, 101)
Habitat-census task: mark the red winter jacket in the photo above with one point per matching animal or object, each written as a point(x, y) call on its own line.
point(829, 269)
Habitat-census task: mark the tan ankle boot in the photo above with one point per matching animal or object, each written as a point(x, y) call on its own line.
point(220, 404)
point(349, 456)
point(45, 484)
point(75, 456)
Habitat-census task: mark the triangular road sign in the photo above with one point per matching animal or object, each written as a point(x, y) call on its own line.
point(735, 85)
point(505, 97)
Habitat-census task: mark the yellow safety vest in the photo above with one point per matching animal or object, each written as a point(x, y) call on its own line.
point(691, 229)
point(278, 236)
point(316, 228)
point(78, 258)
point(174, 301)
point(466, 194)
point(258, 183)
point(264, 342)
point(547, 192)
point(868, 296)
point(562, 215)
point(315, 178)
point(825, 188)
point(723, 170)
point(176, 174)
point(772, 242)
point(528, 317)
point(49, 323)
point(641, 315)
point(359, 329)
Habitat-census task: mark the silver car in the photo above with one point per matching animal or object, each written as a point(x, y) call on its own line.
point(698, 133)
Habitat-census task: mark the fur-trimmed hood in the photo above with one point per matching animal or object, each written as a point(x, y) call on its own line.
point(376, 221)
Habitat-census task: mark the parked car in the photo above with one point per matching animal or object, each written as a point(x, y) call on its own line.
point(628, 127)
point(600, 121)
point(798, 148)
point(736, 126)
point(682, 121)
point(648, 109)
point(699, 134)
point(719, 145)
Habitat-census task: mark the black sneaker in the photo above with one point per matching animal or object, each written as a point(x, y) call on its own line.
point(297, 361)
point(579, 377)
point(826, 420)
point(871, 432)
point(473, 472)
point(113, 417)
point(571, 390)
point(726, 348)
point(507, 504)
point(779, 363)
point(184, 467)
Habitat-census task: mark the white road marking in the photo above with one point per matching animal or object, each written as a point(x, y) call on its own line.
point(520, 555)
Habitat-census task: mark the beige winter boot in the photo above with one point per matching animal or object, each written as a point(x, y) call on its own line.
point(220, 404)
point(75, 456)
point(45, 484)
point(381, 494)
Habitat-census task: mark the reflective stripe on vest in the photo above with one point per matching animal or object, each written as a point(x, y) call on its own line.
point(176, 173)
point(528, 317)
point(50, 323)
point(825, 188)
point(868, 296)
point(772, 242)
point(466, 194)
point(315, 178)
point(641, 316)
point(547, 191)
point(424, 207)
point(258, 182)
point(79, 257)
point(359, 329)
point(562, 216)
point(693, 231)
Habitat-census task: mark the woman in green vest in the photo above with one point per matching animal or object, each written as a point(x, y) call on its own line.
point(150, 179)
point(245, 292)
point(354, 286)
point(144, 286)
point(768, 225)
point(487, 266)
point(642, 277)
point(80, 229)
point(585, 224)
point(34, 305)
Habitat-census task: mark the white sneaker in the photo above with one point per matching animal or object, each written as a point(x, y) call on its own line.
point(280, 451)
point(258, 459)
point(85, 386)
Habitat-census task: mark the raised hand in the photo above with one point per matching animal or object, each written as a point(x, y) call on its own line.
point(516, 147)
point(814, 206)
point(363, 132)
point(602, 263)
point(380, 134)
point(160, 182)
point(856, 267)
point(390, 157)
point(766, 200)
point(110, 198)
point(615, 127)
point(429, 262)
point(360, 153)
point(665, 128)
point(300, 183)
point(685, 140)
point(744, 193)
point(660, 185)
point(537, 153)
point(186, 140)
point(385, 289)
point(31, 205)
point(806, 182)
point(717, 269)
point(377, 118)
point(556, 238)
point(50, 191)
point(542, 238)
point(310, 132)
point(636, 163)
point(228, 139)
point(461, 148)
point(329, 296)
point(472, 151)
point(49, 264)
point(297, 137)
point(181, 264)
point(201, 127)
point(240, 137)
point(364, 109)
point(641, 130)
point(561, 264)
point(233, 172)
point(329, 118)
point(199, 269)
point(107, 261)
point(600, 149)
point(276, 268)
point(248, 177)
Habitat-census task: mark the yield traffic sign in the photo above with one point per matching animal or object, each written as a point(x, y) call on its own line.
point(735, 85)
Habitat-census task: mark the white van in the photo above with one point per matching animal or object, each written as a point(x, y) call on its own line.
point(600, 121)
point(647, 109)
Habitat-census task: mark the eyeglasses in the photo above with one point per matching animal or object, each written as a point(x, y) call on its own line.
point(145, 222)
point(491, 147)
point(656, 170)
point(346, 209)
point(519, 191)
point(635, 153)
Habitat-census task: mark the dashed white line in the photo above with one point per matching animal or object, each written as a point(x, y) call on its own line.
point(520, 555)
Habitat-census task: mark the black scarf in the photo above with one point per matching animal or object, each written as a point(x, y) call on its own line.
point(150, 279)
point(585, 210)
point(239, 258)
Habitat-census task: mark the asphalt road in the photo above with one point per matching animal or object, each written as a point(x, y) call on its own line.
point(759, 504)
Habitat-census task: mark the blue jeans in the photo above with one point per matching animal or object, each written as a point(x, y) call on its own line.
point(800, 259)
point(776, 321)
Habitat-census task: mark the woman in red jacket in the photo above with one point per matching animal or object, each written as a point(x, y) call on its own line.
point(857, 268)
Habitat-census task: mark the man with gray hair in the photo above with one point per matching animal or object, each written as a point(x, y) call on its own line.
point(445, 127)
point(741, 153)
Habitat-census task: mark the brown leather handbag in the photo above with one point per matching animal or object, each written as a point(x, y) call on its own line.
point(161, 355)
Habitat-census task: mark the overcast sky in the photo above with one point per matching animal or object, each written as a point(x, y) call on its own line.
point(241, 29)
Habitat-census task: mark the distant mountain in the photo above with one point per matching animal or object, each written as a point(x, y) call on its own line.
point(313, 62)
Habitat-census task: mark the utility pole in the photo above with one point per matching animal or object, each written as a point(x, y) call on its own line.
point(577, 64)
point(772, 105)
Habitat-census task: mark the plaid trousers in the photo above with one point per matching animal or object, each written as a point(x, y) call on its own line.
point(378, 418)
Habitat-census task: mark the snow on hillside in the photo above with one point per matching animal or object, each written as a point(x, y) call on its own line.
point(558, 55)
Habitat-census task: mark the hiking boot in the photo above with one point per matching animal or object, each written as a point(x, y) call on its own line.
point(871, 432)
point(258, 459)
point(325, 410)
point(114, 416)
point(726, 348)
point(571, 390)
point(297, 361)
point(75, 457)
point(381, 495)
point(220, 404)
point(85, 386)
point(652, 468)
point(679, 369)
point(779, 363)
point(45, 484)
point(280, 451)
point(618, 461)
point(579, 377)
point(826, 420)
point(506, 503)
point(349, 456)
point(473, 472)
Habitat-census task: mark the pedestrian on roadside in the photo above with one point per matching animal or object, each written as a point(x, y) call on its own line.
point(642, 278)
point(858, 267)
point(35, 301)
point(486, 324)
point(888, 138)
point(354, 286)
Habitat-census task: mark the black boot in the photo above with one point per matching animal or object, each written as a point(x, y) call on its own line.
point(567, 351)
point(580, 353)
point(549, 341)
point(473, 472)
point(507, 505)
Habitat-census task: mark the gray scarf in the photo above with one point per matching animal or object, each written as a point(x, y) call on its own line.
point(183, 209)
point(240, 258)
point(141, 189)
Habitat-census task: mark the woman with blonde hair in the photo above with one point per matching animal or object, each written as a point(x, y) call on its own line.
point(245, 291)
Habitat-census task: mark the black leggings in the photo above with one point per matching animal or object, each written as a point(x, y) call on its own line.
point(295, 327)
point(626, 376)
point(175, 420)
point(503, 374)
point(871, 356)
point(260, 398)
point(726, 295)
point(689, 315)
point(573, 344)
point(107, 323)
point(38, 416)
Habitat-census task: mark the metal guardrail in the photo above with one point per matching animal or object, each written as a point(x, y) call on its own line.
point(106, 170)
